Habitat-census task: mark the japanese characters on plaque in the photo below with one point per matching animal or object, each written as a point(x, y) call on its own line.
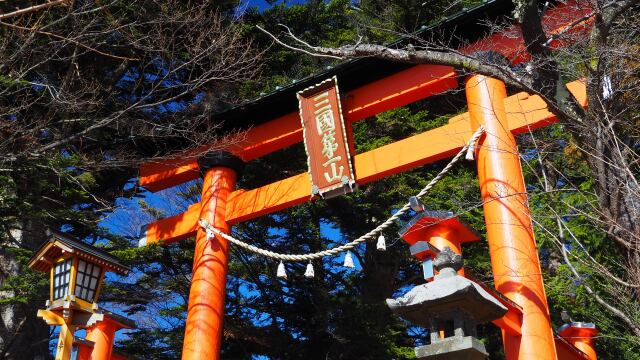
point(325, 140)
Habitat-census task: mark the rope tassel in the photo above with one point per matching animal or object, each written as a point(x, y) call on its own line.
point(282, 272)
point(348, 260)
point(470, 151)
point(382, 244)
point(309, 273)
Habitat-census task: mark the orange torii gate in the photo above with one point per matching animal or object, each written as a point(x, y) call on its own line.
point(527, 333)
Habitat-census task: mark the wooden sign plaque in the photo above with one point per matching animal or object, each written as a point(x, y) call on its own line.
point(325, 140)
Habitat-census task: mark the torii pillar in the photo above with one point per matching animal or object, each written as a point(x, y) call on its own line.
point(103, 333)
point(203, 332)
point(582, 336)
point(514, 256)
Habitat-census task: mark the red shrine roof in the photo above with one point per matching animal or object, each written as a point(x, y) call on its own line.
point(437, 223)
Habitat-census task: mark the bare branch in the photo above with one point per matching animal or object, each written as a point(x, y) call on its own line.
point(33, 8)
point(66, 39)
point(295, 48)
point(617, 312)
point(412, 56)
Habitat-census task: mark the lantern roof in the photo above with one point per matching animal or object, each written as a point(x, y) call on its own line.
point(437, 223)
point(84, 342)
point(60, 243)
point(578, 329)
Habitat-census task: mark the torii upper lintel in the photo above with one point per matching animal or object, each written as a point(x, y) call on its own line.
point(525, 113)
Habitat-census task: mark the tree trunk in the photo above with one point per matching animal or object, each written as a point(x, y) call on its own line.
point(22, 334)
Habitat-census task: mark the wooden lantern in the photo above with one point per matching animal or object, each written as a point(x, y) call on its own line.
point(76, 271)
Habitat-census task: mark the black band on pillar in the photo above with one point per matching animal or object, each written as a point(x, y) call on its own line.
point(222, 159)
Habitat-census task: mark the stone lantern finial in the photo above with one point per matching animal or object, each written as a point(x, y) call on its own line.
point(447, 259)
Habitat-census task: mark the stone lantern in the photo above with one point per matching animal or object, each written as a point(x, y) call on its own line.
point(450, 306)
point(76, 271)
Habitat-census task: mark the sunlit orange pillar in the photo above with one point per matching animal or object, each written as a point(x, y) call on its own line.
point(514, 256)
point(582, 336)
point(440, 242)
point(203, 333)
point(102, 335)
point(84, 350)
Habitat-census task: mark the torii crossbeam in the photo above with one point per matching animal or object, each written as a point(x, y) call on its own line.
point(488, 104)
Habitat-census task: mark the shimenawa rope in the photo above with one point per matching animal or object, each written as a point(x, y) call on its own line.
point(211, 231)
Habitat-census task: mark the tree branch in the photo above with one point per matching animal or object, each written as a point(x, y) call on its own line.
point(33, 8)
point(412, 56)
point(554, 93)
point(602, 302)
point(22, 28)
